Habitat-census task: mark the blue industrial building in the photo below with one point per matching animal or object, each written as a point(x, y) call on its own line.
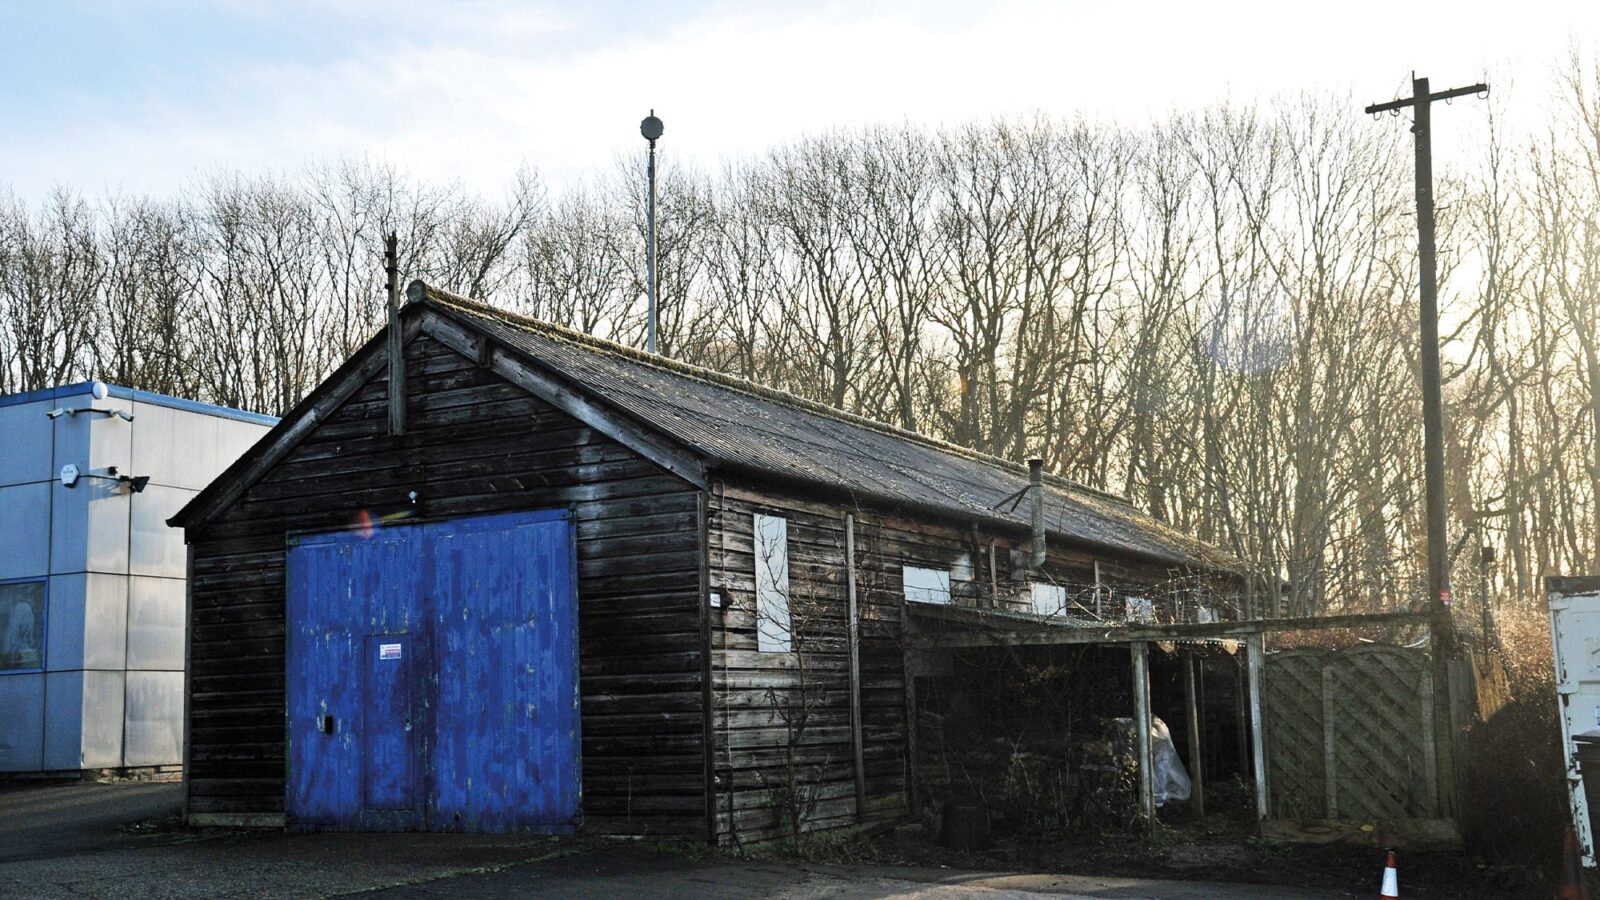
point(92, 630)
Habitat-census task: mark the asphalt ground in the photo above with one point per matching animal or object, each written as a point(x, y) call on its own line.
point(123, 841)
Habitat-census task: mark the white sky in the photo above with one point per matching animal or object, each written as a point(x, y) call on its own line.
point(139, 98)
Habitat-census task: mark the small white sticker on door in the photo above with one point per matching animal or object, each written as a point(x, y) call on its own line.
point(389, 651)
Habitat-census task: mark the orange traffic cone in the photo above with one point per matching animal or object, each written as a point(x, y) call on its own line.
point(1572, 887)
point(1391, 880)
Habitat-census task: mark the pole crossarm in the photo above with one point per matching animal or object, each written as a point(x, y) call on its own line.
point(1476, 89)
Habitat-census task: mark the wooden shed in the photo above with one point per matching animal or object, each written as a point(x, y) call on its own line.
point(564, 584)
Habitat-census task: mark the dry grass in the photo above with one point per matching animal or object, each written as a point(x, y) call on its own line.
point(1515, 804)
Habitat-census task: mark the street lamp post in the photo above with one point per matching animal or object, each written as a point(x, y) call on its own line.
point(651, 128)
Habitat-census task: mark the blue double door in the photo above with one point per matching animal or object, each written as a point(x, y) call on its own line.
point(432, 677)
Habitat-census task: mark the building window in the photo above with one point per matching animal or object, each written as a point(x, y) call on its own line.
point(926, 585)
point(1049, 599)
point(773, 633)
point(22, 625)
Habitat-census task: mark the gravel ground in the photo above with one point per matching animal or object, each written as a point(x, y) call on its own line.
point(123, 840)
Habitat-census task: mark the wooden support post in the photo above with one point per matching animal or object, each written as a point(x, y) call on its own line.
point(1241, 719)
point(1197, 798)
point(1258, 743)
point(854, 613)
point(396, 341)
point(1141, 725)
point(1330, 742)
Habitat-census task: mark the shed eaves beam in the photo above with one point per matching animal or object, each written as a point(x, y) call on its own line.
point(508, 366)
point(968, 628)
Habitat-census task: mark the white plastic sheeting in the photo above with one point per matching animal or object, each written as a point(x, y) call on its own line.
point(1172, 779)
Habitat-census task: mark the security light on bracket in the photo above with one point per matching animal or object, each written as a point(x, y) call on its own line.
point(70, 474)
point(73, 411)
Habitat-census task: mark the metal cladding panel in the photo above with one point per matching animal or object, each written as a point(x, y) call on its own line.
point(63, 720)
point(22, 726)
point(64, 623)
point(153, 547)
point(26, 443)
point(25, 530)
point(104, 694)
point(83, 720)
point(155, 623)
point(93, 441)
point(89, 526)
point(173, 447)
point(432, 677)
point(153, 724)
point(105, 621)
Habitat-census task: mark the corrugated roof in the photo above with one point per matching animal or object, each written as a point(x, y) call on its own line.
point(737, 423)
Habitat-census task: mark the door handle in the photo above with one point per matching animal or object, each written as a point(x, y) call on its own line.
point(325, 724)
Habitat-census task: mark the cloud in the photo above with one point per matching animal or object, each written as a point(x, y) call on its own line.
point(470, 91)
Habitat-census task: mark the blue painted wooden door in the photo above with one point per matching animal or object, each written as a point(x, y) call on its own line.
point(432, 677)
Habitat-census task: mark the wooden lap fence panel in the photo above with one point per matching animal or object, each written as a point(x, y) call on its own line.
point(1350, 734)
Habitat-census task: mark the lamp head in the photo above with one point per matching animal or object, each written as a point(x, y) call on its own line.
point(651, 127)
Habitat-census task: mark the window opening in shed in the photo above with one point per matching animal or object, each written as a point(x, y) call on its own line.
point(773, 631)
point(1141, 609)
point(926, 585)
point(1049, 599)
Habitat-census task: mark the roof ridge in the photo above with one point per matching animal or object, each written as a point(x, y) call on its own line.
point(420, 290)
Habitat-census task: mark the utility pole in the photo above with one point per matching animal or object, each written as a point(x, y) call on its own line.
point(1421, 101)
point(652, 129)
point(1442, 636)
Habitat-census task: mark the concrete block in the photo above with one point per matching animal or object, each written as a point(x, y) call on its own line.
point(22, 726)
point(155, 623)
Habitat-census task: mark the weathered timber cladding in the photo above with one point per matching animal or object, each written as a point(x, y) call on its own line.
point(751, 688)
point(752, 742)
point(475, 444)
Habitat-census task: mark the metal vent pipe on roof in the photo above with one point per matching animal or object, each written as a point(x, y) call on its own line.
point(1036, 490)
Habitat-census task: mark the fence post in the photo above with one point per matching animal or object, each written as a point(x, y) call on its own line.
point(1330, 731)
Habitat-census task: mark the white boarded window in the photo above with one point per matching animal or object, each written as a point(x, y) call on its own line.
point(1049, 599)
point(772, 584)
point(926, 585)
point(1141, 609)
